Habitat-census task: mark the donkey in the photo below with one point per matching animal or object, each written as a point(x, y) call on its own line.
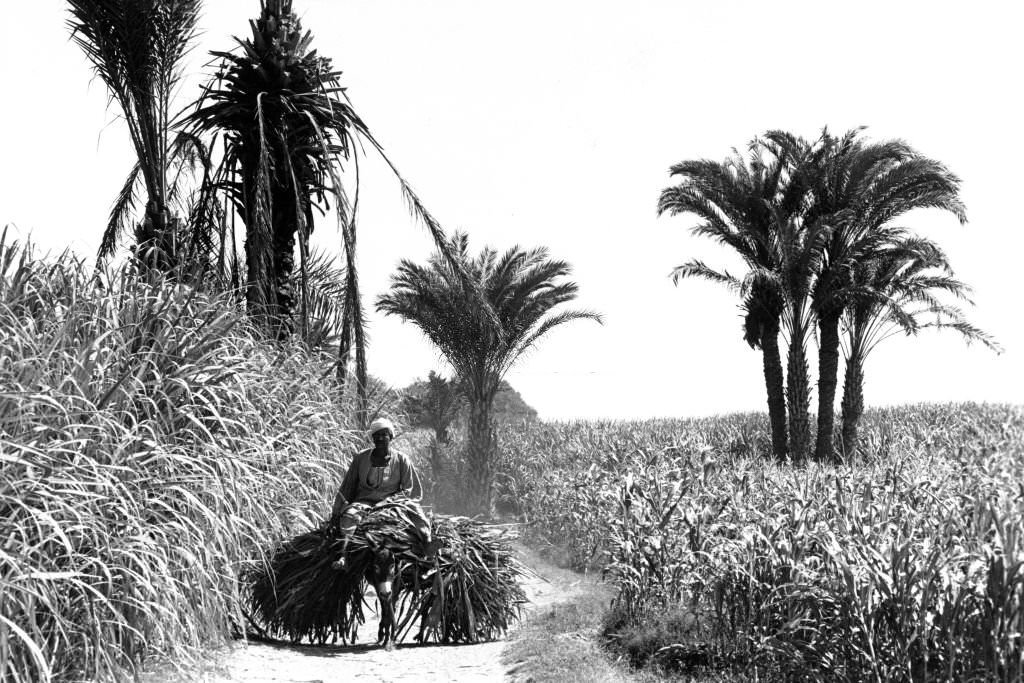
point(381, 572)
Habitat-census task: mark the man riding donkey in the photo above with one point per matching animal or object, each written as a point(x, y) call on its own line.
point(377, 478)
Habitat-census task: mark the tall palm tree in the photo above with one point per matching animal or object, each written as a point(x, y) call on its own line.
point(522, 288)
point(283, 127)
point(136, 48)
point(860, 188)
point(894, 291)
point(289, 133)
point(742, 204)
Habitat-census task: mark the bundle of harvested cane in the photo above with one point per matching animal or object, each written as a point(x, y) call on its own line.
point(468, 592)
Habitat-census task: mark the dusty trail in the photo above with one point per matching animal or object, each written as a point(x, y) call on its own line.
point(285, 663)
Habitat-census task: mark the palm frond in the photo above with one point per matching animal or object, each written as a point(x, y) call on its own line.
point(136, 48)
point(121, 213)
point(699, 269)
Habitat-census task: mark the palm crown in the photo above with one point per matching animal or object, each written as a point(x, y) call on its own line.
point(285, 130)
point(522, 288)
point(136, 48)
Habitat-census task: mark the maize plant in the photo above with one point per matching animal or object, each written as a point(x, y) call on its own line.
point(904, 565)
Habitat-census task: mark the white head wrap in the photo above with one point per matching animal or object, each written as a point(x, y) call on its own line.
point(381, 423)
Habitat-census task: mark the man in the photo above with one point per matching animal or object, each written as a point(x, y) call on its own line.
point(377, 475)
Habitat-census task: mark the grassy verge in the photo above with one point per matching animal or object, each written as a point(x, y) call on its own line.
point(563, 642)
point(559, 643)
point(559, 640)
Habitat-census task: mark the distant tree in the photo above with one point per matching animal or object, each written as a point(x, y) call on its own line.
point(522, 290)
point(136, 48)
point(743, 203)
point(897, 291)
point(435, 405)
point(509, 405)
point(860, 188)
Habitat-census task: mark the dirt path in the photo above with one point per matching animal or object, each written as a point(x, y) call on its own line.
point(285, 663)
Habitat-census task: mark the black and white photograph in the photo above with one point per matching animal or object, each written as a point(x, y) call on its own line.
point(465, 340)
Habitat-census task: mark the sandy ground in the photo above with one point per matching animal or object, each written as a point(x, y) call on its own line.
point(284, 663)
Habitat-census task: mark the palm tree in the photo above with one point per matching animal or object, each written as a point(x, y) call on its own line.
point(434, 404)
point(288, 133)
point(860, 188)
point(896, 291)
point(522, 289)
point(742, 203)
point(274, 103)
point(136, 48)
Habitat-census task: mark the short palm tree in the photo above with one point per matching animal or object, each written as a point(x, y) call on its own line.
point(860, 188)
point(523, 289)
point(435, 405)
point(136, 48)
point(743, 203)
point(896, 290)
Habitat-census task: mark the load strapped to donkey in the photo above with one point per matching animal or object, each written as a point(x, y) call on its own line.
point(467, 592)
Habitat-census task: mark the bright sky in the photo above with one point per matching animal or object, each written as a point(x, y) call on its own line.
point(555, 123)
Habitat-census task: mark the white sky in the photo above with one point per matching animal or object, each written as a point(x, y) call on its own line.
point(555, 123)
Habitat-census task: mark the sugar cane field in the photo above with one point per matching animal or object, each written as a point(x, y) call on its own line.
point(577, 341)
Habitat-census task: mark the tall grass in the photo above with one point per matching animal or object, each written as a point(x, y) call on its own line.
point(150, 444)
point(906, 566)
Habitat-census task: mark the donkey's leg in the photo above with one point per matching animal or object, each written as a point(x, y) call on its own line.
point(381, 574)
point(386, 632)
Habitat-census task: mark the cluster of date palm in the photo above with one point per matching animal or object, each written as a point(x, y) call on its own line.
point(814, 223)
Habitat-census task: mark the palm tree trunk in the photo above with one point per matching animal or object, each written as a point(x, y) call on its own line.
point(481, 450)
point(362, 376)
point(774, 384)
point(436, 466)
point(853, 404)
point(436, 459)
point(345, 343)
point(155, 240)
point(798, 397)
point(828, 376)
point(258, 250)
point(283, 259)
point(352, 312)
point(255, 298)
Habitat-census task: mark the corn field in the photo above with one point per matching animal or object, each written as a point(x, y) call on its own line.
point(907, 565)
point(152, 445)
